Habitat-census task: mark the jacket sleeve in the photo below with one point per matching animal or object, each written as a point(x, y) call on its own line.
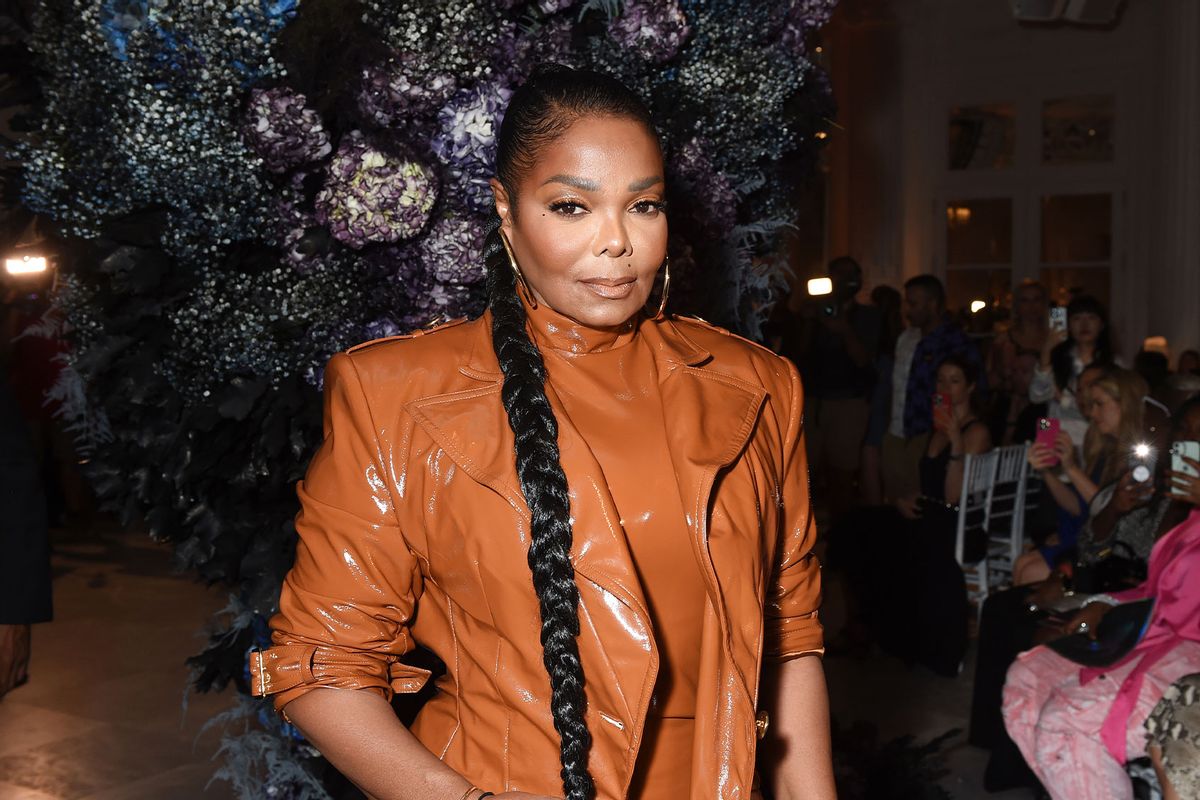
point(347, 600)
point(792, 626)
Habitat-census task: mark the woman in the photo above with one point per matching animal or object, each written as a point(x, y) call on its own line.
point(1077, 727)
point(662, 505)
point(910, 554)
point(1065, 354)
point(1116, 405)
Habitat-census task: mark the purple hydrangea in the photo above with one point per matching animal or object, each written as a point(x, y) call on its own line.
point(370, 196)
point(654, 29)
point(802, 17)
point(380, 329)
point(519, 49)
point(703, 181)
point(452, 251)
point(390, 94)
point(466, 141)
point(282, 131)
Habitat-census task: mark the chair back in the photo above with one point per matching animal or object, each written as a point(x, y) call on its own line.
point(975, 502)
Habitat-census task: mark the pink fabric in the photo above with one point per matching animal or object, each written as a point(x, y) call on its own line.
point(1174, 583)
point(1054, 719)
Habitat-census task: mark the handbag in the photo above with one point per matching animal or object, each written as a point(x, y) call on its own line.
point(1114, 568)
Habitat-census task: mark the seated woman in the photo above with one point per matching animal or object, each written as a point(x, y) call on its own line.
point(1125, 518)
point(908, 550)
point(1116, 409)
point(1076, 727)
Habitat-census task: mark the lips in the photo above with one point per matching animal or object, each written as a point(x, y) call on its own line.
point(611, 288)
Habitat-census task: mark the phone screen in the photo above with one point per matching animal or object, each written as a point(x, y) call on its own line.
point(1058, 318)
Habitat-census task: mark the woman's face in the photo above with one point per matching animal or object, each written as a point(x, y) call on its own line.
point(952, 381)
point(1085, 327)
point(1105, 412)
point(1189, 429)
point(590, 232)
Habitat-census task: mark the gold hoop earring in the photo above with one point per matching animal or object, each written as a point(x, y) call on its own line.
point(662, 304)
point(522, 286)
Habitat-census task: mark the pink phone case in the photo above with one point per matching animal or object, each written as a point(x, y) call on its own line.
point(1047, 432)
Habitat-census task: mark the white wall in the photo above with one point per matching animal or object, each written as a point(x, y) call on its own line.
point(889, 210)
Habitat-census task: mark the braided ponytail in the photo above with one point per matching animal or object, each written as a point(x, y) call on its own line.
point(540, 111)
point(544, 485)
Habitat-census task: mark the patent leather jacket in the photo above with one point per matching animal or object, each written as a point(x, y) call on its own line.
point(413, 529)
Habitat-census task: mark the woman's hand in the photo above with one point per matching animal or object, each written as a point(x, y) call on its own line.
point(1087, 619)
point(1041, 456)
point(945, 421)
point(1185, 487)
point(1131, 494)
point(1064, 448)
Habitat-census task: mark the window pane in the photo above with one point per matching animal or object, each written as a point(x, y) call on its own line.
point(979, 231)
point(1076, 228)
point(1077, 130)
point(1066, 282)
point(964, 286)
point(982, 137)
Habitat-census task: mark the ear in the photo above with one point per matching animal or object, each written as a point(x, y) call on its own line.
point(503, 206)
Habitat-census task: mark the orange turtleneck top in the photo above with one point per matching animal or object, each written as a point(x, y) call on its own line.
point(607, 381)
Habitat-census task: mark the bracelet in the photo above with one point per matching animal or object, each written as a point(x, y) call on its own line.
point(958, 457)
point(473, 788)
point(1100, 598)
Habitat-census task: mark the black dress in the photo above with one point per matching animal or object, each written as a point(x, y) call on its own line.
point(909, 588)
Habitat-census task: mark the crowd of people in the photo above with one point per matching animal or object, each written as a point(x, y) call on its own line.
point(1091, 660)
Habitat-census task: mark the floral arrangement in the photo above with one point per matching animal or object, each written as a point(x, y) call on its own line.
point(244, 187)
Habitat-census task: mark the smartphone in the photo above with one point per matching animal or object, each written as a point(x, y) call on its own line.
point(1047, 433)
point(1142, 461)
point(1180, 451)
point(940, 400)
point(1058, 318)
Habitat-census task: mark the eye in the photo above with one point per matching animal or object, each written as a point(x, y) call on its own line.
point(567, 208)
point(650, 206)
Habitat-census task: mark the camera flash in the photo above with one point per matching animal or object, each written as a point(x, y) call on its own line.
point(1141, 450)
point(977, 306)
point(820, 286)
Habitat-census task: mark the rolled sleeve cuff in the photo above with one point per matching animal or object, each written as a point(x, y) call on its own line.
point(796, 636)
point(285, 672)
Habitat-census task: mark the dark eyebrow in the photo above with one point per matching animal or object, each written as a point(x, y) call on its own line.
point(645, 183)
point(582, 184)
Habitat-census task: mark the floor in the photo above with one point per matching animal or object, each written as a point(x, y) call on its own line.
point(102, 717)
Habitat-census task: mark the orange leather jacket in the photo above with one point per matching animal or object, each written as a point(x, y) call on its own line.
point(413, 529)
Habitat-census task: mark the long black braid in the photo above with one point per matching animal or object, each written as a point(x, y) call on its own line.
point(551, 100)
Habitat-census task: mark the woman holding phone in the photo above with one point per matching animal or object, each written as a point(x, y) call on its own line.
point(1066, 352)
point(1115, 402)
point(907, 550)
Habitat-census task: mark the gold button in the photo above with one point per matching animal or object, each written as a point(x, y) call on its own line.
point(760, 724)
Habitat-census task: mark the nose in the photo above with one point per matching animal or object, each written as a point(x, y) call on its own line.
point(612, 239)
